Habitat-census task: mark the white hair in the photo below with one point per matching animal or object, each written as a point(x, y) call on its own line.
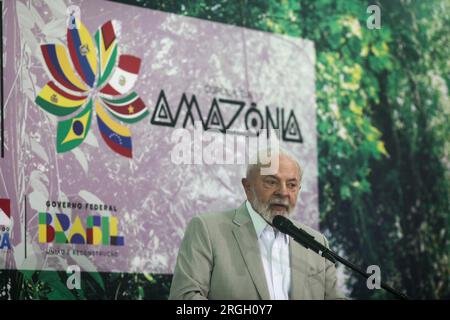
point(262, 154)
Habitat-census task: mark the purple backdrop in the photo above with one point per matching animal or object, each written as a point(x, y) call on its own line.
point(154, 198)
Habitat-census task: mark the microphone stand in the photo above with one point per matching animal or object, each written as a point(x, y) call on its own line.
point(332, 256)
point(308, 241)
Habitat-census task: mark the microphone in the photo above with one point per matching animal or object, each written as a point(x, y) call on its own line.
point(309, 242)
point(305, 239)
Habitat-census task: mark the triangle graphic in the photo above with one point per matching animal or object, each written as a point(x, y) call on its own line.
point(162, 112)
point(292, 131)
point(162, 115)
point(215, 120)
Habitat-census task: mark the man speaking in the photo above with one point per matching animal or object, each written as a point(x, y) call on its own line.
point(237, 254)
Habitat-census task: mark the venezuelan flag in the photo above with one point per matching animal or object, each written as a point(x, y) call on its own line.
point(116, 136)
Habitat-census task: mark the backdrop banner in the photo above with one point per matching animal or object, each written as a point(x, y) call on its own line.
point(122, 123)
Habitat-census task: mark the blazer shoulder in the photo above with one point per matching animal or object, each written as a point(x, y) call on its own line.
point(216, 218)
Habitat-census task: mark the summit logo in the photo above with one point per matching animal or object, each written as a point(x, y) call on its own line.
point(96, 79)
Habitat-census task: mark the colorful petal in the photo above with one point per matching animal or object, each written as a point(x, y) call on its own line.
point(72, 132)
point(57, 61)
point(116, 136)
point(105, 39)
point(58, 102)
point(129, 109)
point(82, 51)
point(124, 76)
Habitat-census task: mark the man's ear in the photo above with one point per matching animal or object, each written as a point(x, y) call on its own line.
point(247, 188)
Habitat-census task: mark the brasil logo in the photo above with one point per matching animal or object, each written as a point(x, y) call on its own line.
point(95, 78)
point(60, 229)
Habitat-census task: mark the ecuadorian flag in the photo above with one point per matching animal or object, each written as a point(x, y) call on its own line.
point(82, 51)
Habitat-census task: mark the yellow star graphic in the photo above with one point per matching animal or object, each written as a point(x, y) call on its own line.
point(130, 109)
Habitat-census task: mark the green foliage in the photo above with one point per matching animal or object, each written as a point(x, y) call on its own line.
point(50, 285)
point(383, 128)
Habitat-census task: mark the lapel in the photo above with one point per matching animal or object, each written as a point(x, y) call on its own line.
point(299, 269)
point(245, 235)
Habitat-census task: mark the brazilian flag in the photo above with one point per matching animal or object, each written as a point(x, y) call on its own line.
point(72, 132)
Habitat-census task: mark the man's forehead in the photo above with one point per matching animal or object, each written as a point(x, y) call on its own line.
point(287, 169)
point(282, 176)
point(287, 166)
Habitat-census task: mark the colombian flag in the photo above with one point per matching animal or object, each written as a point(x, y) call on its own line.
point(57, 62)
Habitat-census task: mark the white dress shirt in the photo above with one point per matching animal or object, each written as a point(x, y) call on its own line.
point(274, 247)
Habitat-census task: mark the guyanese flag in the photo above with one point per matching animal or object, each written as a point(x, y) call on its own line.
point(105, 39)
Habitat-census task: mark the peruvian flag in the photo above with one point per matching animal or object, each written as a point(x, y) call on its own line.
point(124, 77)
point(5, 212)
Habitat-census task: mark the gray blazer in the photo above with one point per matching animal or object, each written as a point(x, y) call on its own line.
point(219, 258)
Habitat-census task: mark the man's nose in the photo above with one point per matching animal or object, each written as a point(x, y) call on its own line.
point(282, 190)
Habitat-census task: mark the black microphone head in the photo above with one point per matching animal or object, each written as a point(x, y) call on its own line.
point(281, 223)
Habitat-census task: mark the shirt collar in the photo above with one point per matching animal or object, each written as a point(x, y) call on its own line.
point(258, 222)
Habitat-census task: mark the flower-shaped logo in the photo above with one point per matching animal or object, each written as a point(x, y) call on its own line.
point(96, 78)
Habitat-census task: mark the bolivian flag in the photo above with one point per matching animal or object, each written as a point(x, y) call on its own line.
point(58, 102)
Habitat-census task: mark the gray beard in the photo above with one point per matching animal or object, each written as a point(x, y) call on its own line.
point(264, 208)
